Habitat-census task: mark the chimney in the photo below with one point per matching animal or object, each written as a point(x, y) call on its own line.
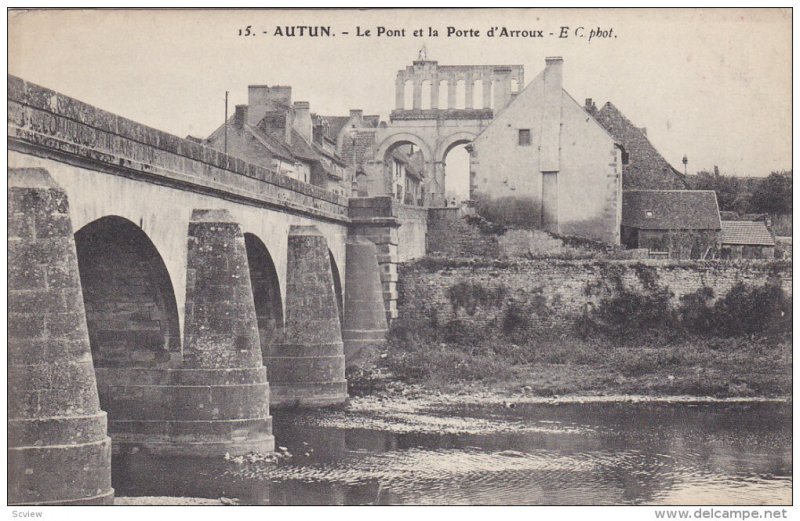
point(302, 119)
point(318, 131)
point(550, 140)
point(240, 116)
point(644, 131)
point(356, 114)
point(590, 106)
point(263, 98)
point(288, 126)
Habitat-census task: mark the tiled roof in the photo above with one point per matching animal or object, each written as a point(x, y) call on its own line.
point(275, 146)
point(753, 233)
point(646, 169)
point(408, 161)
point(335, 125)
point(302, 148)
point(670, 209)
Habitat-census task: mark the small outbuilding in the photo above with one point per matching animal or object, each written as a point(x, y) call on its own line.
point(747, 240)
point(676, 224)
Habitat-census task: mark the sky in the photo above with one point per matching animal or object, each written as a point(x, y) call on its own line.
point(713, 84)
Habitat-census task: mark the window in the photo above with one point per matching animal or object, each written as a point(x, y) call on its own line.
point(649, 214)
point(524, 137)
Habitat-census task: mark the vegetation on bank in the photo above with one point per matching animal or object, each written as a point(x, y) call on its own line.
point(744, 195)
point(432, 264)
point(633, 341)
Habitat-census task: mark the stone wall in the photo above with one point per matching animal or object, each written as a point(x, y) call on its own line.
point(451, 235)
point(555, 291)
point(413, 232)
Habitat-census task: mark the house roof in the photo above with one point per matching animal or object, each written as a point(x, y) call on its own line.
point(670, 209)
point(302, 148)
point(408, 161)
point(269, 142)
point(335, 125)
point(646, 168)
point(753, 233)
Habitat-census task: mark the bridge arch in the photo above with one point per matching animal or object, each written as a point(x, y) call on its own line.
point(266, 291)
point(129, 297)
point(337, 287)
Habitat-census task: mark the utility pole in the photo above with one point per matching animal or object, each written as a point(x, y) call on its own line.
point(226, 121)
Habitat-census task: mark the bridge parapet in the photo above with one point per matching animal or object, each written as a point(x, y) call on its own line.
point(45, 123)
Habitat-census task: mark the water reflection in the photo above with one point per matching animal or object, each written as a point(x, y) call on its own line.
point(554, 454)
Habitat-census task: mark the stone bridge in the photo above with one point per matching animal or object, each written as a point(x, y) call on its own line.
point(162, 296)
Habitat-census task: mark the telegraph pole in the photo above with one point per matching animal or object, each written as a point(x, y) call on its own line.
point(226, 121)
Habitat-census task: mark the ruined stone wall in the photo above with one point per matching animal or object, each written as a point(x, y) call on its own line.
point(555, 292)
point(450, 235)
point(412, 233)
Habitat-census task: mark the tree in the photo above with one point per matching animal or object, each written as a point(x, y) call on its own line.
point(773, 195)
point(728, 188)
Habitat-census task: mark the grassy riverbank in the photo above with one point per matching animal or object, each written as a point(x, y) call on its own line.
point(632, 341)
point(695, 366)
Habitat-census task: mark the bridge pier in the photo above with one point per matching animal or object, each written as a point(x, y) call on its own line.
point(215, 400)
point(58, 451)
point(306, 365)
point(365, 325)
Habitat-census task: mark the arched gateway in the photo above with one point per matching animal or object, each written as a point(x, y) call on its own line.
point(448, 105)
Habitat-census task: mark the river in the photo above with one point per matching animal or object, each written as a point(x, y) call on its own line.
point(536, 453)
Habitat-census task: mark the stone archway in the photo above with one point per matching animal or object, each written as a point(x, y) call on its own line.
point(400, 138)
point(131, 310)
point(132, 321)
point(337, 287)
point(450, 142)
point(384, 178)
point(266, 291)
point(444, 147)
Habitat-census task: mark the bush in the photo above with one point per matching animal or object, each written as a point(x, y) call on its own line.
point(696, 313)
point(749, 310)
point(630, 314)
point(462, 333)
point(514, 319)
point(416, 354)
point(470, 295)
